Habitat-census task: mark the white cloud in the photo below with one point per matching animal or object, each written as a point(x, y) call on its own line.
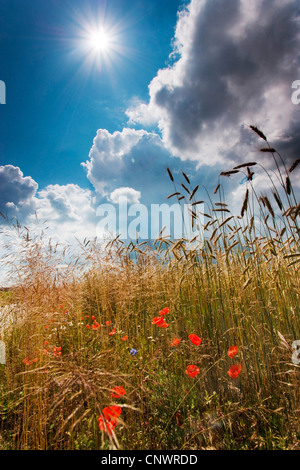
point(131, 159)
point(132, 196)
point(106, 156)
point(69, 211)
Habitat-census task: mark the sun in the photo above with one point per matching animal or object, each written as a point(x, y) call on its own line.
point(100, 41)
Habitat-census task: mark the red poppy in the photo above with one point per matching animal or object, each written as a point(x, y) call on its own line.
point(113, 332)
point(95, 325)
point(93, 318)
point(118, 392)
point(57, 351)
point(109, 420)
point(195, 340)
point(108, 323)
point(234, 371)
point(159, 321)
point(27, 361)
point(175, 342)
point(232, 351)
point(192, 371)
point(164, 311)
point(88, 327)
point(124, 338)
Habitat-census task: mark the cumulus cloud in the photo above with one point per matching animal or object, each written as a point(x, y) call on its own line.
point(234, 66)
point(69, 202)
point(134, 159)
point(132, 196)
point(69, 211)
point(16, 190)
point(106, 156)
point(20, 198)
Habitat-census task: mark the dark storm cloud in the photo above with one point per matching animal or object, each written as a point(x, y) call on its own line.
point(237, 62)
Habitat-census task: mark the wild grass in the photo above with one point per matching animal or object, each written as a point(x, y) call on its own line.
point(238, 286)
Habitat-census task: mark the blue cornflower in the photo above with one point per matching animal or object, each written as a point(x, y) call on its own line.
point(133, 352)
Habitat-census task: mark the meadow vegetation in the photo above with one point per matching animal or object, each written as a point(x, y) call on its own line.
point(99, 346)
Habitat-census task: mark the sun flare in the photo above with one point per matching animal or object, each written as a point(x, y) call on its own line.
point(100, 41)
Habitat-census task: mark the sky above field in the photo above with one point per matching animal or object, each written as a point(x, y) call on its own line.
point(103, 96)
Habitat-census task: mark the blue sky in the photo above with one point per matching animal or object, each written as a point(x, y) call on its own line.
point(178, 86)
point(55, 102)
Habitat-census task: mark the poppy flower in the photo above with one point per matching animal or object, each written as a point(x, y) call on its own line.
point(232, 351)
point(88, 327)
point(27, 361)
point(164, 311)
point(108, 323)
point(195, 340)
point(159, 321)
point(124, 338)
point(109, 420)
point(113, 332)
point(57, 351)
point(93, 318)
point(95, 325)
point(234, 371)
point(118, 392)
point(175, 342)
point(192, 371)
